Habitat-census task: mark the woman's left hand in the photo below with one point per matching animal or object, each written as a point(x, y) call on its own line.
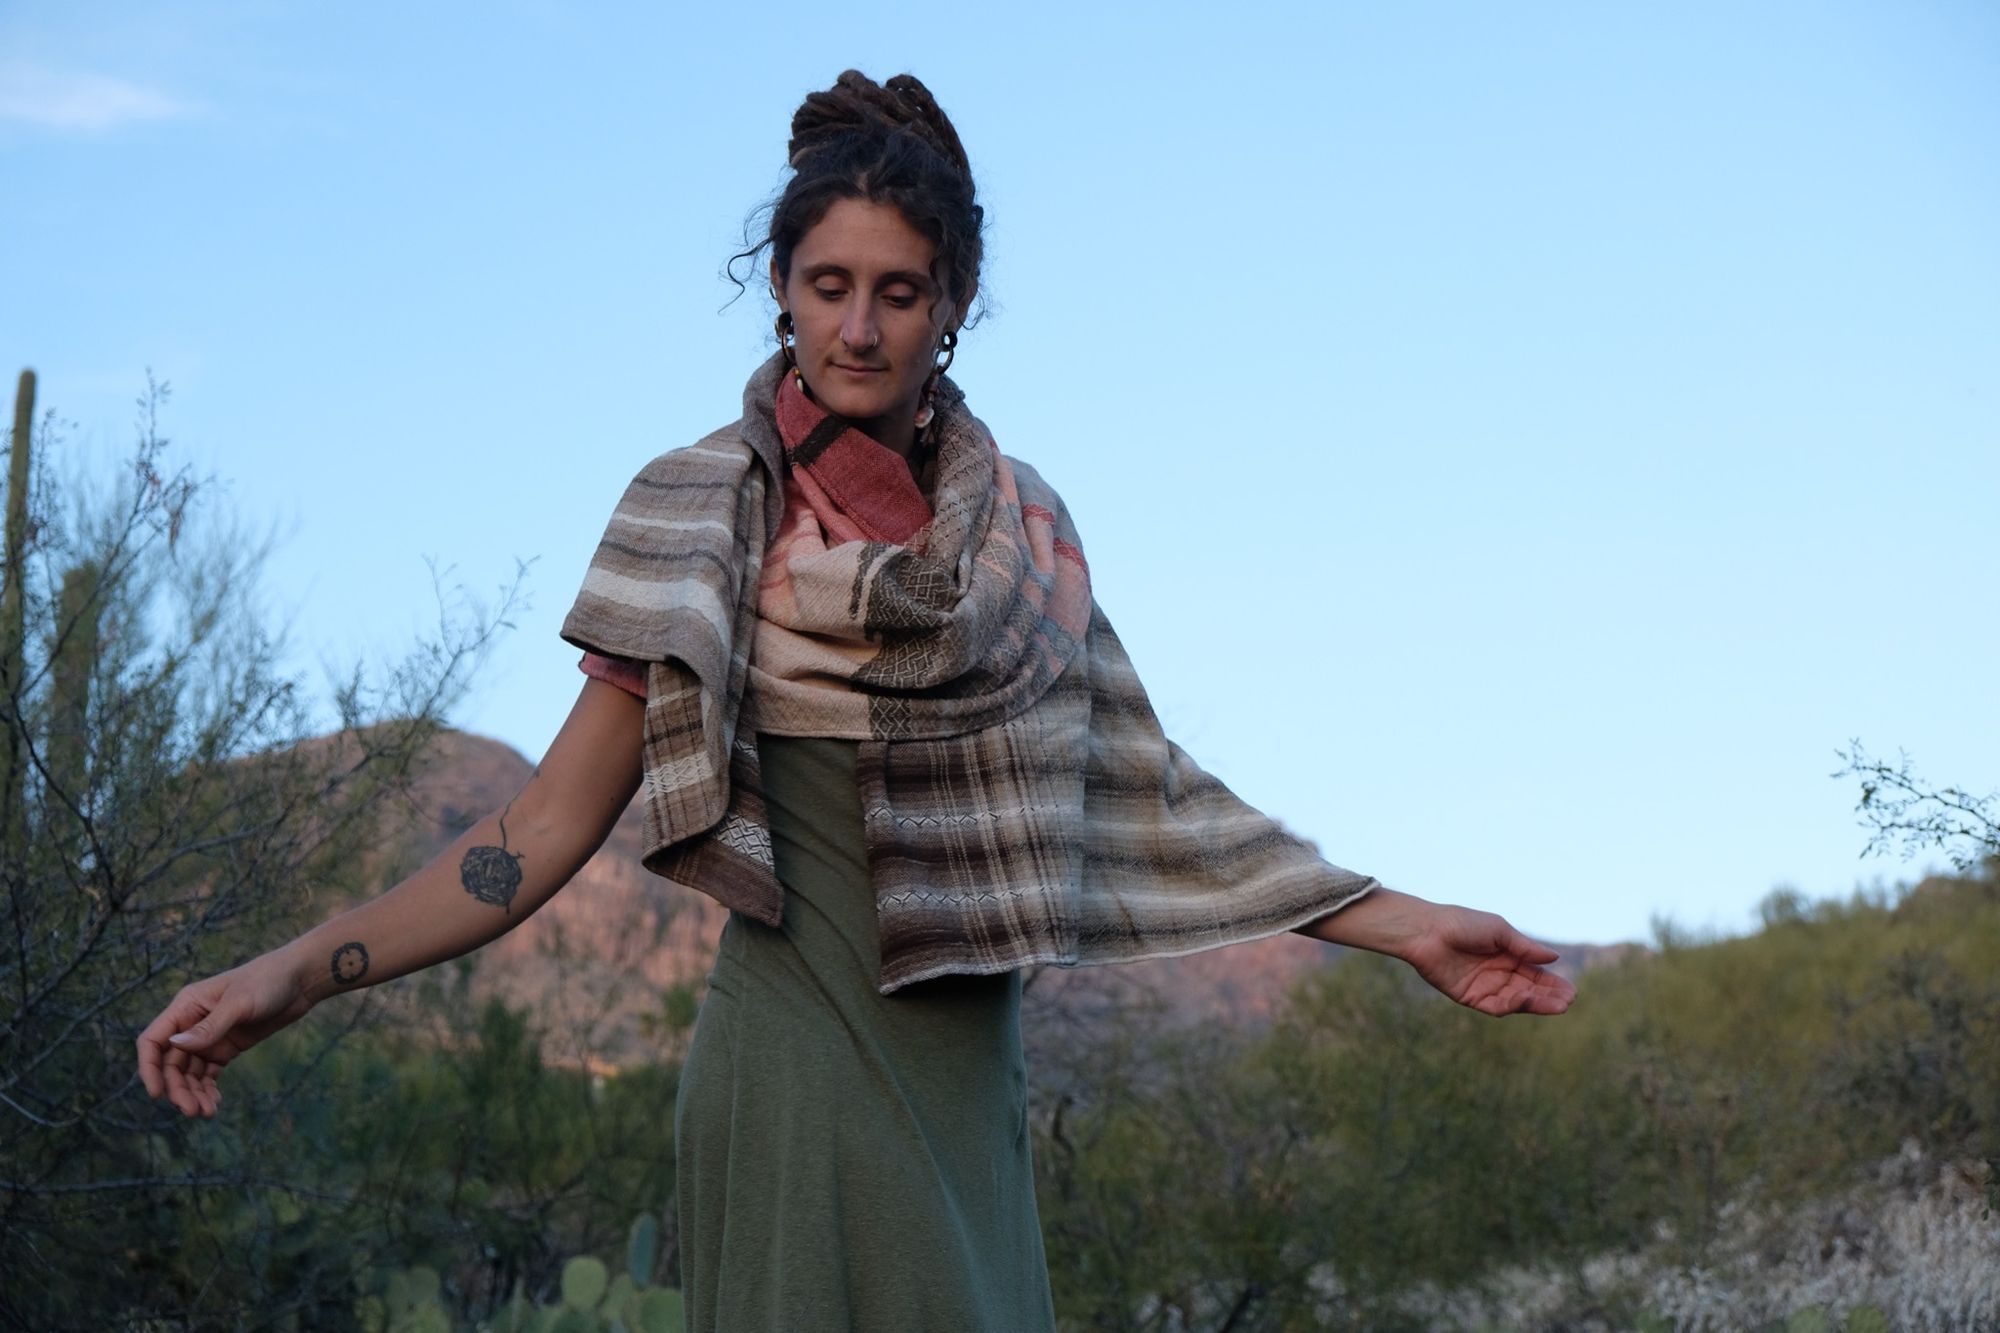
point(1480, 961)
point(1474, 957)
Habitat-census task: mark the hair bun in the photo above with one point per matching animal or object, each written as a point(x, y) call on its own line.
point(856, 104)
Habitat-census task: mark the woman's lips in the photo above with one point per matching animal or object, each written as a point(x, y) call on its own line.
point(860, 370)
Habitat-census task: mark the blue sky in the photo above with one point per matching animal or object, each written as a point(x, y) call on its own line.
point(1518, 444)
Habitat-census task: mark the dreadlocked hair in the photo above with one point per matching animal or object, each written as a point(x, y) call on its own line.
point(886, 143)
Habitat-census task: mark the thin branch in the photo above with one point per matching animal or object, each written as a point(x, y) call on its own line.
point(1904, 812)
point(189, 1181)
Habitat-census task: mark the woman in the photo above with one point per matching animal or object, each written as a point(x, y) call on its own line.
point(851, 650)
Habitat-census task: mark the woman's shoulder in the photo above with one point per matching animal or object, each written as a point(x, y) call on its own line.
point(1024, 471)
point(1032, 487)
point(1035, 493)
point(722, 451)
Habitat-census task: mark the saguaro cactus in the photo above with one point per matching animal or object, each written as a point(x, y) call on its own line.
point(13, 620)
point(75, 662)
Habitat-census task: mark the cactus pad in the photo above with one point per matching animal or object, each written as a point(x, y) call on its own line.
point(583, 1282)
point(642, 1248)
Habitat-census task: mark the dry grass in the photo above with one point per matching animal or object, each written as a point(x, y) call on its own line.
point(1920, 1242)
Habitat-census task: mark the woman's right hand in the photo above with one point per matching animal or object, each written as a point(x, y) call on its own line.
point(213, 1021)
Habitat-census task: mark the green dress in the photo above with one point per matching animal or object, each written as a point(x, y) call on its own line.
point(848, 1159)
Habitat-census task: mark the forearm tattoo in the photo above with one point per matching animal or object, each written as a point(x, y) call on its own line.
point(493, 874)
point(350, 963)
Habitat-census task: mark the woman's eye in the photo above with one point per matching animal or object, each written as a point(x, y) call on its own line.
point(829, 293)
point(900, 301)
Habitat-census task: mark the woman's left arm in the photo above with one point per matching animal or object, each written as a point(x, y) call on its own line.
point(1476, 958)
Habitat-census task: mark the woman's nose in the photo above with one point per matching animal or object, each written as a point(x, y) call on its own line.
point(858, 329)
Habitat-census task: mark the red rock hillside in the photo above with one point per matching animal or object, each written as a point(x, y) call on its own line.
point(600, 957)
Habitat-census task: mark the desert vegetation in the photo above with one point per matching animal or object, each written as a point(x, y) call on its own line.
point(1724, 1134)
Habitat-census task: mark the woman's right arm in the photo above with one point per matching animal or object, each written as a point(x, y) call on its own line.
point(487, 882)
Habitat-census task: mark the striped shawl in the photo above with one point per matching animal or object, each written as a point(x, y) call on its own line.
point(1020, 803)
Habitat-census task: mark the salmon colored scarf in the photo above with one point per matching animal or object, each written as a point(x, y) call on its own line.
point(881, 620)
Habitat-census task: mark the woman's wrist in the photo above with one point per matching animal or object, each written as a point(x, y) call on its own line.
point(1383, 921)
point(303, 961)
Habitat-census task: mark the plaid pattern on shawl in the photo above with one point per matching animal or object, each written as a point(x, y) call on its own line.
point(1020, 803)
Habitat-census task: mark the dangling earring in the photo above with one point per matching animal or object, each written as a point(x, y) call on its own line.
point(949, 344)
point(784, 326)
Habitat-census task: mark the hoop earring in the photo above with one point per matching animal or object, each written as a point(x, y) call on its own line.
point(784, 327)
point(927, 405)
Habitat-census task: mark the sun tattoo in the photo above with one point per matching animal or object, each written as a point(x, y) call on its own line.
point(493, 874)
point(350, 963)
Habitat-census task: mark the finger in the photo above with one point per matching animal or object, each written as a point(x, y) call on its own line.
point(204, 1072)
point(183, 1082)
point(1546, 993)
point(1527, 990)
point(200, 1038)
point(1532, 951)
point(149, 1066)
point(1556, 995)
point(153, 1040)
point(179, 1093)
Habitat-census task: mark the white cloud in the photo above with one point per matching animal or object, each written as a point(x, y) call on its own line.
point(60, 100)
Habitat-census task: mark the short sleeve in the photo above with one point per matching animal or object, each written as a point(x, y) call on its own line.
point(624, 672)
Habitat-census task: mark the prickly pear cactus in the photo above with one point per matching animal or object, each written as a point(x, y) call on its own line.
point(583, 1283)
point(409, 1304)
point(590, 1300)
point(642, 1249)
point(1867, 1319)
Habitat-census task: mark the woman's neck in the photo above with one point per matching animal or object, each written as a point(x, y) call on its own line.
point(897, 432)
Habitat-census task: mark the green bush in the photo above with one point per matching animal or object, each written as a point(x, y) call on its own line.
point(1381, 1146)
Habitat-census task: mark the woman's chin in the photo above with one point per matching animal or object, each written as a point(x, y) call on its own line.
point(844, 402)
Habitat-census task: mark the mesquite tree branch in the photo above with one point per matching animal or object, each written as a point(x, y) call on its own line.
point(1907, 814)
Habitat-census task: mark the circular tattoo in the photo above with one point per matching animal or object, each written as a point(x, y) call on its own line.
point(491, 874)
point(350, 963)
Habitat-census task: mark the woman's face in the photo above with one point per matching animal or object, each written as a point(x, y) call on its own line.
point(866, 316)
